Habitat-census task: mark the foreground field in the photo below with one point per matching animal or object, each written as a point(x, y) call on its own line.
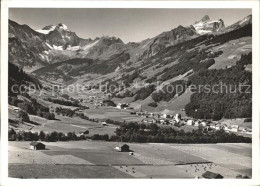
point(92, 159)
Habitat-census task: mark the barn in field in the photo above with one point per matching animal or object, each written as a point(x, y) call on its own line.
point(123, 148)
point(35, 145)
point(212, 175)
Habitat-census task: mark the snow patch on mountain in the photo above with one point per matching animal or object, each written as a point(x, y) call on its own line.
point(57, 47)
point(245, 20)
point(87, 47)
point(73, 48)
point(49, 45)
point(46, 31)
point(62, 26)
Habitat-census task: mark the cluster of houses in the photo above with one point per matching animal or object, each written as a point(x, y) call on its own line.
point(167, 119)
point(124, 106)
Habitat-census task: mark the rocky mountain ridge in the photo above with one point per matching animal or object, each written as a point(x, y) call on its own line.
point(32, 49)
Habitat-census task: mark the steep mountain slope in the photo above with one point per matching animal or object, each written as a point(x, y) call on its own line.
point(166, 39)
point(241, 23)
point(25, 45)
point(31, 49)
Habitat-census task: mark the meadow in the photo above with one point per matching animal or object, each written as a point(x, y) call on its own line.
point(93, 159)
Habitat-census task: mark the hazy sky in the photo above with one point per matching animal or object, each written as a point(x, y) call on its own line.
point(131, 25)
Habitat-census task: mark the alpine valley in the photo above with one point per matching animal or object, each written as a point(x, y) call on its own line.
point(184, 54)
point(84, 97)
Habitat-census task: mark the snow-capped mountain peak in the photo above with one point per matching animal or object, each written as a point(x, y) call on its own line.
point(245, 20)
point(46, 29)
point(206, 25)
point(50, 28)
point(204, 19)
point(62, 26)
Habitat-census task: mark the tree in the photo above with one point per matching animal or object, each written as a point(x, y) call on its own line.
point(152, 104)
point(24, 116)
point(11, 135)
point(39, 113)
point(53, 136)
point(42, 136)
point(105, 137)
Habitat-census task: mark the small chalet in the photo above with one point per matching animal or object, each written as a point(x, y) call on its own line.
point(123, 148)
point(104, 123)
point(212, 175)
point(35, 145)
point(166, 116)
point(190, 122)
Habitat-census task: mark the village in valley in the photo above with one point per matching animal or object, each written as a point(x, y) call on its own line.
point(167, 118)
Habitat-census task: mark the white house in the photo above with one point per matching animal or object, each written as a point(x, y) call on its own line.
point(145, 120)
point(203, 123)
point(152, 121)
point(121, 105)
point(177, 118)
point(190, 122)
point(213, 126)
point(242, 129)
point(226, 128)
point(196, 124)
point(218, 127)
point(166, 116)
point(162, 121)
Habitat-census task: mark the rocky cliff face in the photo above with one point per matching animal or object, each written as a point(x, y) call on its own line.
point(172, 37)
point(34, 49)
point(206, 26)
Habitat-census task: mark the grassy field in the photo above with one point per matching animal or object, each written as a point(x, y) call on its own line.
point(98, 159)
point(64, 171)
point(62, 124)
point(104, 113)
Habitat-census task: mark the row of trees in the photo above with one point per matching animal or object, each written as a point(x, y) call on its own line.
point(141, 133)
point(74, 103)
point(134, 132)
point(65, 111)
point(72, 113)
point(49, 137)
point(153, 104)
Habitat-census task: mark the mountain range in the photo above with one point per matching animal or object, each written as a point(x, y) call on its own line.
point(33, 49)
point(200, 52)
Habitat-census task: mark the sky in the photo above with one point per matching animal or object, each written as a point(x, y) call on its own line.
point(131, 25)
